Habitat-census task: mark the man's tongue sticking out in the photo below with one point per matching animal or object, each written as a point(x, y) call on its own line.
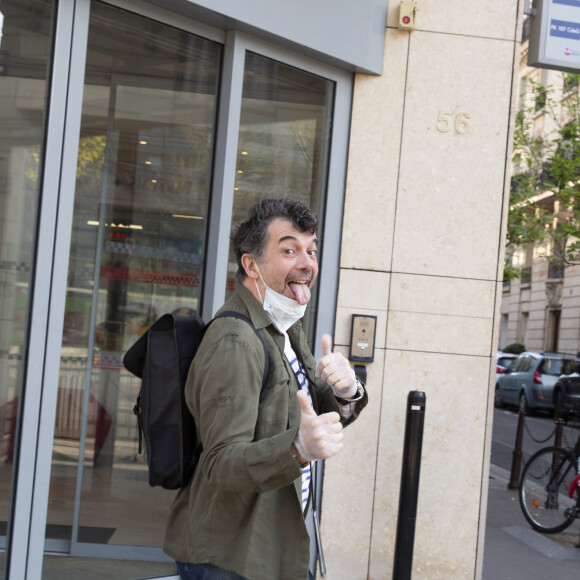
point(301, 292)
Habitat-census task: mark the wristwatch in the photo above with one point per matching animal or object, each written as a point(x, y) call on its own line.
point(360, 393)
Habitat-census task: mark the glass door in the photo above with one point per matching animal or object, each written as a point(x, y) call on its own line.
point(283, 151)
point(136, 251)
point(150, 151)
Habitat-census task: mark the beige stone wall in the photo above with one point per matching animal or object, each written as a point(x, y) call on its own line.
point(423, 251)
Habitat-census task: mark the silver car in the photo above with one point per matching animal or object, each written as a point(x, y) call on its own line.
point(529, 381)
point(503, 361)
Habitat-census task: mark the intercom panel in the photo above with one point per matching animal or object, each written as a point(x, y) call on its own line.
point(362, 338)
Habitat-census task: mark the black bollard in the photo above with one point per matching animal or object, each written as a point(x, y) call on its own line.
point(559, 432)
point(557, 443)
point(514, 482)
point(409, 491)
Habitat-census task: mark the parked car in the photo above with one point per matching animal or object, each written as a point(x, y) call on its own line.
point(566, 394)
point(503, 361)
point(529, 381)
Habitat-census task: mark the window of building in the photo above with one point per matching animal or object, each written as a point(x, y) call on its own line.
point(523, 327)
point(554, 330)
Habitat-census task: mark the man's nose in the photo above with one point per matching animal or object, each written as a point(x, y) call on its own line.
point(305, 260)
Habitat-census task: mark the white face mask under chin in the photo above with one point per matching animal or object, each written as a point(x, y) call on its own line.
point(283, 311)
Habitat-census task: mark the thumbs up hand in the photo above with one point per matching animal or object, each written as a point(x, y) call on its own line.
point(335, 370)
point(319, 436)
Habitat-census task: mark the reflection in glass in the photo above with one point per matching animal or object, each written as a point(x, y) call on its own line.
point(137, 251)
point(25, 45)
point(282, 146)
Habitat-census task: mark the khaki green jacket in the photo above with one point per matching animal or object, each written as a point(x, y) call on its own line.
point(242, 509)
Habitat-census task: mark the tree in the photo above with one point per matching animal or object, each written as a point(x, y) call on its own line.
point(544, 195)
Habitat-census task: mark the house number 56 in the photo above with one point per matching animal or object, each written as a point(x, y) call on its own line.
point(446, 121)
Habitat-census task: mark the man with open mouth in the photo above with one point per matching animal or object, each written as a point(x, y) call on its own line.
point(242, 516)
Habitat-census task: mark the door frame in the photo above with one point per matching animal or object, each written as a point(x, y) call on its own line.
point(33, 462)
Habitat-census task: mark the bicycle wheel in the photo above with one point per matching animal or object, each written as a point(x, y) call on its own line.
point(543, 490)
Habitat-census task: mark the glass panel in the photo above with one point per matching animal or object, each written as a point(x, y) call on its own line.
point(25, 46)
point(137, 247)
point(282, 146)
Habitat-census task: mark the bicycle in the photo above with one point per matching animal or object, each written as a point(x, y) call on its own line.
point(549, 488)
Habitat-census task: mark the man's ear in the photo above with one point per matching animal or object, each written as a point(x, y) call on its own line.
point(249, 265)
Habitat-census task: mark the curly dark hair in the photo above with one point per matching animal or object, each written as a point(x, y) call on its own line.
point(251, 236)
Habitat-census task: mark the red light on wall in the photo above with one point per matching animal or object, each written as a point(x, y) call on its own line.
point(407, 12)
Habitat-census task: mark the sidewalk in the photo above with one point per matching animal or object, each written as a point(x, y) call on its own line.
point(513, 550)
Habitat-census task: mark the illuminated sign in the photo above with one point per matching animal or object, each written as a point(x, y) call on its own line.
point(555, 35)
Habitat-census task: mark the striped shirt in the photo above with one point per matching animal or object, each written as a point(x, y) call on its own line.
point(303, 382)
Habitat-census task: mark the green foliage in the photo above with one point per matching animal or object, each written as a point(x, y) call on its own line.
point(515, 348)
point(549, 164)
point(510, 272)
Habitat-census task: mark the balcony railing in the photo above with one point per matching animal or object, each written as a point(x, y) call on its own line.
point(555, 270)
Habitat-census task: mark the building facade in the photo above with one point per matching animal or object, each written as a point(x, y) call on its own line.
point(541, 310)
point(135, 135)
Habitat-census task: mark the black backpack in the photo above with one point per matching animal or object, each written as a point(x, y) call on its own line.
point(161, 359)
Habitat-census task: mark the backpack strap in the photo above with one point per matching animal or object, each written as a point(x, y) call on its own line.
point(239, 316)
